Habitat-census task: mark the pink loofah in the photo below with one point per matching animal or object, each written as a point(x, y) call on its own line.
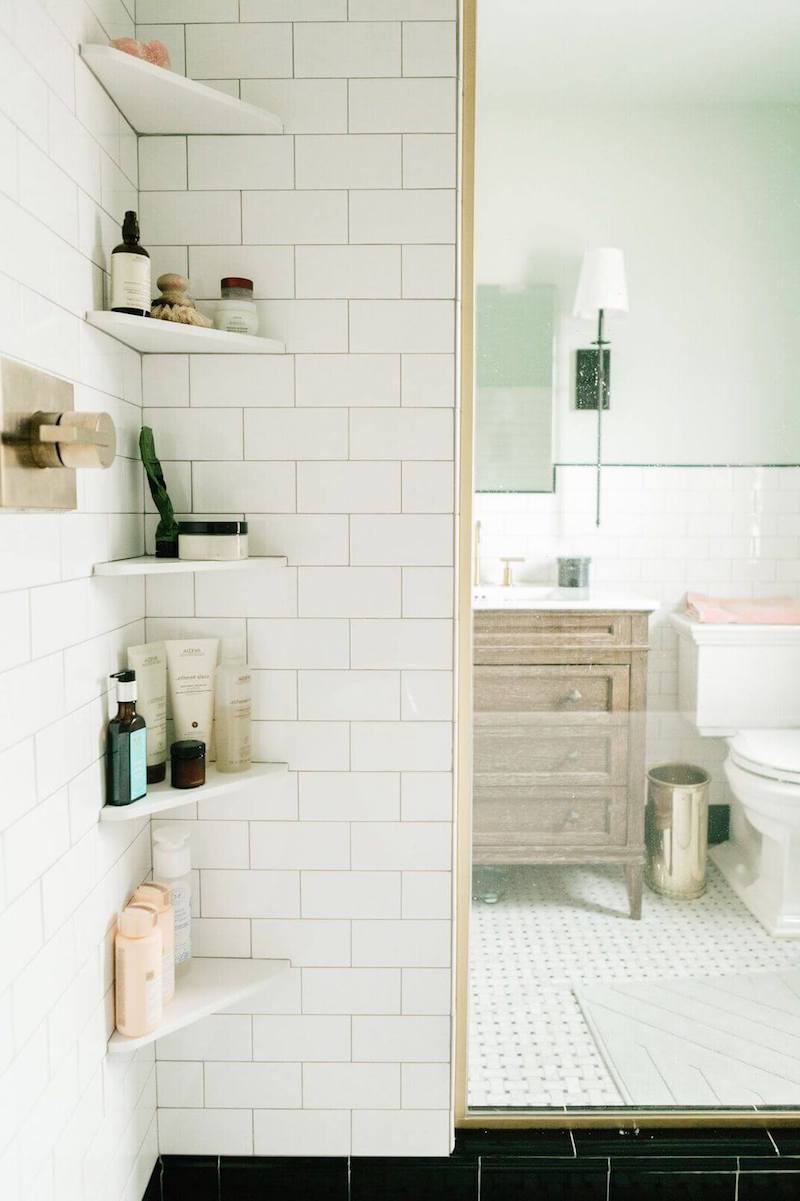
point(157, 54)
point(128, 46)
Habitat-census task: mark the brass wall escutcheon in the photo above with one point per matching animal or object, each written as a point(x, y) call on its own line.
point(43, 439)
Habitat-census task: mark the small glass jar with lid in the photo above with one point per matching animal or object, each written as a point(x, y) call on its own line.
point(187, 763)
point(236, 312)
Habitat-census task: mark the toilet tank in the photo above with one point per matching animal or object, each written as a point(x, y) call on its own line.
point(737, 677)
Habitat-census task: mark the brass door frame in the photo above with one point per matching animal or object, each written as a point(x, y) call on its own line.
point(628, 1117)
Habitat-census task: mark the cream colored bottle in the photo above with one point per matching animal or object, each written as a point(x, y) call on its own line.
point(137, 963)
point(232, 709)
point(159, 896)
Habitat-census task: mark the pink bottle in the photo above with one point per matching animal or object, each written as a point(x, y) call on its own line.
point(137, 961)
point(159, 896)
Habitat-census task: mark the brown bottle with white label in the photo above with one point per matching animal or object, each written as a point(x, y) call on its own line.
point(130, 272)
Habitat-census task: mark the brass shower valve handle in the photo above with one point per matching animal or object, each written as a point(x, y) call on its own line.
point(72, 439)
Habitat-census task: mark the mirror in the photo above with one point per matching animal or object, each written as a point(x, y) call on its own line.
point(514, 330)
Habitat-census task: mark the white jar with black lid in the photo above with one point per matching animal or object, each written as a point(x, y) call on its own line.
point(219, 540)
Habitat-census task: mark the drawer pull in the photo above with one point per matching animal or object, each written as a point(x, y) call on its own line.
point(571, 757)
point(572, 816)
point(572, 697)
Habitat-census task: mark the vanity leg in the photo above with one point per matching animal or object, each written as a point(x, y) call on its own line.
point(634, 879)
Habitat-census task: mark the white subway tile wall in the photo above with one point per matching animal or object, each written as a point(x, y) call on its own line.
point(730, 531)
point(76, 1126)
point(341, 457)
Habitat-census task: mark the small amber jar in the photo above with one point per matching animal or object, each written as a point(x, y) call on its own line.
point(188, 763)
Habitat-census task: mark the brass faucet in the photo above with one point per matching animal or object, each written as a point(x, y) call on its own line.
point(508, 569)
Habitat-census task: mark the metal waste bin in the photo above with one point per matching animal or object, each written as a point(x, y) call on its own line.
point(676, 830)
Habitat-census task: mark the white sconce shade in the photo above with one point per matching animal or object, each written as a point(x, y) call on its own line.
point(602, 283)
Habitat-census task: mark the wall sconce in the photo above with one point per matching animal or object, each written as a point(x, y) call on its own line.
point(43, 439)
point(602, 289)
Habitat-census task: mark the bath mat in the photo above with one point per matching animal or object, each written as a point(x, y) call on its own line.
point(730, 1040)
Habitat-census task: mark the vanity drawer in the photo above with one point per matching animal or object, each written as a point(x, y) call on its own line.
point(508, 637)
point(514, 821)
point(515, 749)
point(552, 688)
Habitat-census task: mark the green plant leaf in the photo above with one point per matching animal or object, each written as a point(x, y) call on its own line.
point(167, 526)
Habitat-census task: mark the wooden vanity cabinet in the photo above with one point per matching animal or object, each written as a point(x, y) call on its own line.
point(559, 739)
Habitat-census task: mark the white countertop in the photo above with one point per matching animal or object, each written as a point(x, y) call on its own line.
point(546, 599)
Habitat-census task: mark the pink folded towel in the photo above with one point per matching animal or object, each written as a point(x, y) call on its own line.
point(774, 611)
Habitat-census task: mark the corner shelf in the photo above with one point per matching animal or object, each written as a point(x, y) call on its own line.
point(158, 101)
point(150, 565)
point(151, 335)
point(207, 986)
point(162, 797)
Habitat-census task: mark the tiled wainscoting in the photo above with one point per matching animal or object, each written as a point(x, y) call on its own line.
point(730, 531)
point(529, 1165)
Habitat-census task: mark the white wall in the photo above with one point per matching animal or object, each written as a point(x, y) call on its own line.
point(74, 1126)
point(702, 199)
point(341, 456)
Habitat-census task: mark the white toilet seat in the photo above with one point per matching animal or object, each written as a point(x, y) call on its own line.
point(772, 754)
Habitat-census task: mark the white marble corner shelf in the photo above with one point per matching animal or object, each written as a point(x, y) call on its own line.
point(151, 335)
point(150, 565)
point(162, 797)
point(206, 987)
point(155, 100)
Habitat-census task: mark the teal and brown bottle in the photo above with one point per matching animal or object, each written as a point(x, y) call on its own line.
point(126, 746)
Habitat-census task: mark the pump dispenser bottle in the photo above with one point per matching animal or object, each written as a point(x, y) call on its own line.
point(126, 746)
point(130, 272)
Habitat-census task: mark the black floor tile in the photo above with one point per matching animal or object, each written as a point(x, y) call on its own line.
point(195, 1176)
point(674, 1164)
point(688, 1143)
point(787, 1139)
point(153, 1190)
point(777, 1184)
point(421, 1179)
point(268, 1178)
point(551, 1142)
point(768, 1163)
point(652, 1183)
point(532, 1179)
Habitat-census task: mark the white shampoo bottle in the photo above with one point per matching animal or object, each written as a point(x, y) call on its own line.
point(232, 709)
point(172, 865)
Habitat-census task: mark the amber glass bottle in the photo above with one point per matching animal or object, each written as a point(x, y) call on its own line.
point(130, 272)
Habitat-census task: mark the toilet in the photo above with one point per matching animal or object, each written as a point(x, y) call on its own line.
point(742, 682)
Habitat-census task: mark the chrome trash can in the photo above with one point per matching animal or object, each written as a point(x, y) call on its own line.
point(676, 830)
